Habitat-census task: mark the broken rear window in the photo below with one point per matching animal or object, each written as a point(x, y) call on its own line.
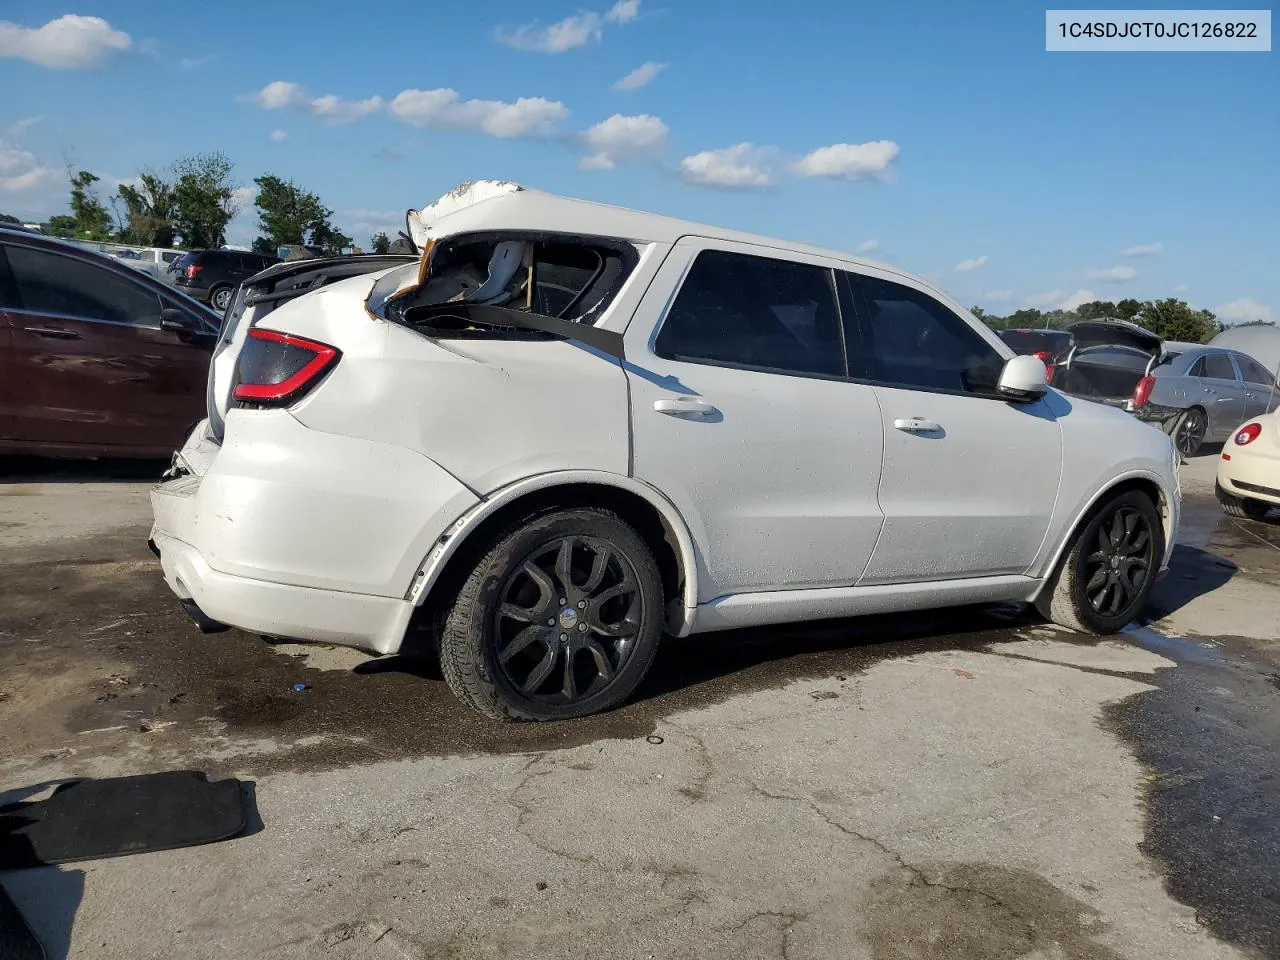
point(564, 277)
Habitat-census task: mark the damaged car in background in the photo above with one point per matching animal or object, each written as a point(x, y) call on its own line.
point(563, 429)
point(1197, 394)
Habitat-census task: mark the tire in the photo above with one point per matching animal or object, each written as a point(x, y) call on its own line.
point(1241, 507)
point(511, 650)
point(1188, 431)
point(1074, 592)
point(220, 298)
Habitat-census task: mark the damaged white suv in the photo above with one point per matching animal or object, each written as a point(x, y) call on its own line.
point(563, 429)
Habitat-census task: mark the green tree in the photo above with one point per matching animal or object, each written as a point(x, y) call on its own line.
point(1172, 319)
point(151, 211)
point(289, 215)
point(1096, 310)
point(204, 199)
point(1128, 309)
point(381, 243)
point(1026, 317)
point(89, 219)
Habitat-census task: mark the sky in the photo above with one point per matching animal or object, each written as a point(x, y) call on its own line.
point(935, 136)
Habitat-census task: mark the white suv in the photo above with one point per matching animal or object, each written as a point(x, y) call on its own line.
point(565, 428)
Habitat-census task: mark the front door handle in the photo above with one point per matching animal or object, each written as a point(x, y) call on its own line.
point(916, 425)
point(53, 333)
point(683, 406)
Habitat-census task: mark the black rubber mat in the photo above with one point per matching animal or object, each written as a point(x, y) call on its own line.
point(17, 942)
point(93, 819)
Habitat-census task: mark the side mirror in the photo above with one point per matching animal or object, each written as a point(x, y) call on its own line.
point(175, 321)
point(1023, 379)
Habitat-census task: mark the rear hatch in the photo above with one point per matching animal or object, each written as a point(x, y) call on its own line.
point(264, 292)
point(1107, 362)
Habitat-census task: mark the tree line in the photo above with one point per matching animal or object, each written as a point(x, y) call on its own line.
point(1170, 319)
point(190, 203)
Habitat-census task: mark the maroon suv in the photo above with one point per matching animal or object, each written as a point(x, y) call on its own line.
point(96, 358)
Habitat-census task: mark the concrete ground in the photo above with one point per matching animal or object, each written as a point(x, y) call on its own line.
point(968, 784)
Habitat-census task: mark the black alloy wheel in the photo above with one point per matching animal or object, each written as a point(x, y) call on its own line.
point(1119, 565)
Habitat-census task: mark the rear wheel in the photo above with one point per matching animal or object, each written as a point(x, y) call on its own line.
point(1105, 578)
point(559, 619)
point(220, 298)
point(1242, 507)
point(1188, 431)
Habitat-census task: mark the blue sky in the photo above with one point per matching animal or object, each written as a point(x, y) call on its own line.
point(959, 148)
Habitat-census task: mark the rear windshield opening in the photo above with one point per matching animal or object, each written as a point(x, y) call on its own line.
point(562, 277)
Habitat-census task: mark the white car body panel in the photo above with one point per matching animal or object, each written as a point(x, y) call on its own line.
point(798, 497)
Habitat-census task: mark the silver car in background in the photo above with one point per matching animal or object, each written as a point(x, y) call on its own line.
point(1196, 393)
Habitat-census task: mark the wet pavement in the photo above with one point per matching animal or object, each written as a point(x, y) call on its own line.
point(1177, 723)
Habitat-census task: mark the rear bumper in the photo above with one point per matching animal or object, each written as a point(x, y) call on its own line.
point(195, 291)
point(1252, 476)
point(296, 533)
point(282, 610)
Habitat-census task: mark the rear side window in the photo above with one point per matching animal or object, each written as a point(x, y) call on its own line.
point(915, 342)
point(1218, 366)
point(1253, 371)
point(169, 257)
point(756, 313)
point(52, 283)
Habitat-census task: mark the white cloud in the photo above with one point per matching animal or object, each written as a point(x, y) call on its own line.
point(279, 94)
point(20, 128)
point(1244, 310)
point(1143, 250)
point(1076, 299)
point(279, 136)
point(242, 198)
point(336, 110)
point(19, 170)
point(1120, 274)
point(848, 161)
point(574, 31)
point(70, 42)
point(641, 76)
point(622, 138)
point(998, 296)
point(526, 117)
point(742, 167)
point(1059, 300)
point(968, 266)
point(1182, 288)
point(867, 246)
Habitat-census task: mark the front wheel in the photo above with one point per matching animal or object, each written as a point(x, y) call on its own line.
point(1105, 578)
point(559, 619)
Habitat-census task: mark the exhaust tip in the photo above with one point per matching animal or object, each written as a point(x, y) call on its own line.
point(201, 619)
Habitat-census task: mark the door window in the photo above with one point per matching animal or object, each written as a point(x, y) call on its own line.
point(755, 313)
point(1254, 372)
point(1218, 366)
point(52, 283)
point(915, 342)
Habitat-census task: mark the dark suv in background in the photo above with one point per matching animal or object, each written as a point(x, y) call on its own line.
point(213, 275)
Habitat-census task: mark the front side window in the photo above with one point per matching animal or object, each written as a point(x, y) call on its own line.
point(52, 283)
point(1218, 366)
point(913, 341)
point(757, 313)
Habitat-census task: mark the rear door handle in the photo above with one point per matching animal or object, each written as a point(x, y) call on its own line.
point(916, 425)
point(53, 333)
point(678, 406)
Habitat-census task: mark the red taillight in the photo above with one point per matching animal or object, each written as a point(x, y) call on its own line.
point(1142, 392)
point(1048, 372)
point(1248, 433)
point(192, 271)
point(278, 368)
point(1044, 356)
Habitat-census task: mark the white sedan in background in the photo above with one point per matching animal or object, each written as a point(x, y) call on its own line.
point(565, 428)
